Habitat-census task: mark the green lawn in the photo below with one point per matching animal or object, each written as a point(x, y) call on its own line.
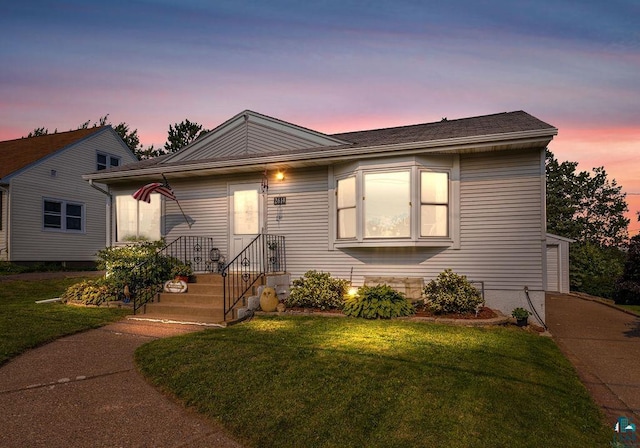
point(634, 308)
point(335, 382)
point(25, 324)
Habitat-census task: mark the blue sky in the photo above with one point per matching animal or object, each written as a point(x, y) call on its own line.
point(331, 66)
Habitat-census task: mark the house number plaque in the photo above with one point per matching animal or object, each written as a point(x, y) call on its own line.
point(280, 200)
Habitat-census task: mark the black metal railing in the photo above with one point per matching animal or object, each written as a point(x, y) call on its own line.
point(148, 277)
point(264, 255)
point(199, 252)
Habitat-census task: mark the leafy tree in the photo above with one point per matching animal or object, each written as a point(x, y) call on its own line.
point(628, 286)
point(588, 208)
point(181, 134)
point(39, 131)
point(584, 206)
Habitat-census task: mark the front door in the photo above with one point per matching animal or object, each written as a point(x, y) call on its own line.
point(246, 218)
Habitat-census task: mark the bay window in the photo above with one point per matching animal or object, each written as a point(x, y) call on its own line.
point(406, 203)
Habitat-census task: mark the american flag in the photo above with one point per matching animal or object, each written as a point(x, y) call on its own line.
point(144, 193)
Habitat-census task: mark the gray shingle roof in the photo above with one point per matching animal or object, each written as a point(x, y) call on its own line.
point(501, 123)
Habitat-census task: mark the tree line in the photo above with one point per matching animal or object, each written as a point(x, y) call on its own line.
point(178, 136)
point(589, 208)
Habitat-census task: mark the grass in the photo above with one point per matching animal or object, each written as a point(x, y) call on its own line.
point(331, 382)
point(634, 308)
point(25, 324)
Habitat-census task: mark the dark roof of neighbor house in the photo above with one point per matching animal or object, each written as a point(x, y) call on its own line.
point(20, 153)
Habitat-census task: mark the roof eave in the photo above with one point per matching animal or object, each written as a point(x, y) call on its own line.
point(325, 155)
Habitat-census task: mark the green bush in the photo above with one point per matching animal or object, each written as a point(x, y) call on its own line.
point(373, 302)
point(136, 264)
point(451, 293)
point(318, 290)
point(90, 292)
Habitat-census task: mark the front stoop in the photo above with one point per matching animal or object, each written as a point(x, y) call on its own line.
point(202, 303)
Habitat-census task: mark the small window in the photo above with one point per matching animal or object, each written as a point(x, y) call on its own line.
point(62, 215)
point(105, 161)
point(434, 200)
point(347, 208)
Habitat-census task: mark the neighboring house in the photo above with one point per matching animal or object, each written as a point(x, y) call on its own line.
point(392, 203)
point(47, 211)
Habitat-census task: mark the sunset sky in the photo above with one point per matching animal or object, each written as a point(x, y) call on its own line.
point(331, 66)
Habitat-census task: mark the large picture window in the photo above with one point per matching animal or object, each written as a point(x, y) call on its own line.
point(389, 206)
point(62, 215)
point(137, 220)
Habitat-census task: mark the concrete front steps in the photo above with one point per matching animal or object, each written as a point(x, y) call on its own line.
point(202, 303)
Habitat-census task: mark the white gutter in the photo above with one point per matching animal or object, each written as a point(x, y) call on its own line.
point(108, 238)
point(331, 154)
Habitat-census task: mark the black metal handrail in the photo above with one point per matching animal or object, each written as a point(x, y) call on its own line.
point(148, 277)
point(265, 254)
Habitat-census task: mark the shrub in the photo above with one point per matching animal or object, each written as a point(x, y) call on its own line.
point(318, 290)
point(90, 292)
point(373, 302)
point(451, 293)
point(137, 263)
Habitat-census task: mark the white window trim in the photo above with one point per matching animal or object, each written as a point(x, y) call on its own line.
point(416, 165)
point(63, 216)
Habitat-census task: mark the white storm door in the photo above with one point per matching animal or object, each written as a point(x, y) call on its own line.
point(246, 220)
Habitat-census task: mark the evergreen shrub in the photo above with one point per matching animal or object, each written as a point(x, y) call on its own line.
point(451, 293)
point(317, 290)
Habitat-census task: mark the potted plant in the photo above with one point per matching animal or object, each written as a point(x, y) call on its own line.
point(181, 271)
point(521, 315)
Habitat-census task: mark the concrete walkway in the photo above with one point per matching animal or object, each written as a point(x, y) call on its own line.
point(84, 391)
point(603, 343)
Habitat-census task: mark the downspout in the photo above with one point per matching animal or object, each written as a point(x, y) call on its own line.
point(109, 211)
point(6, 227)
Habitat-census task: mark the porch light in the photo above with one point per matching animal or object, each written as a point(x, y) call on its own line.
point(279, 176)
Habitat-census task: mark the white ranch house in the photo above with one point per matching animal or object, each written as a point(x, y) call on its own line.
point(48, 213)
point(398, 203)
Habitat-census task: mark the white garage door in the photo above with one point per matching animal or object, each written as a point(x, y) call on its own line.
point(552, 269)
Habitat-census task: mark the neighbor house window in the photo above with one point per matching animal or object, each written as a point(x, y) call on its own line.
point(137, 220)
point(105, 161)
point(386, 206)
point(64, 216)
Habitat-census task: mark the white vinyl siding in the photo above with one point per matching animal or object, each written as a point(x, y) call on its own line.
point(60, 176)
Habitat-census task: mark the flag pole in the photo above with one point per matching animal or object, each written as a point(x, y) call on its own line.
point(166, 182)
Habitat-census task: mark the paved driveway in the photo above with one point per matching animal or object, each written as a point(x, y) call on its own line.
point(603, 343)
point(84, 391)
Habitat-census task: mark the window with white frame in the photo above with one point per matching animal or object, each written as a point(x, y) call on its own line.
point(105, 161)
point(63, 216)
point(409, 203)
point(137, 220)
